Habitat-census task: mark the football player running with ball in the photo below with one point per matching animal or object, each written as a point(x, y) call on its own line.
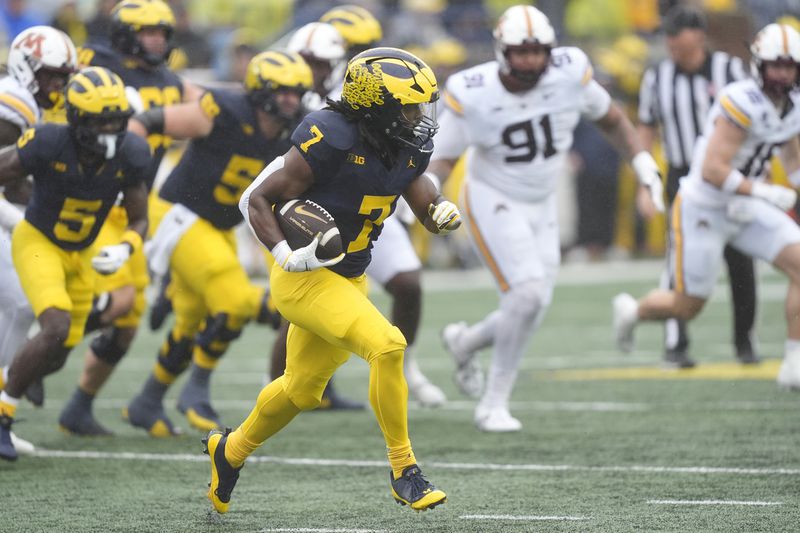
point(726, 200)
point(234, 134)
point(354, 158)
point(78, 171)
point(518, 115)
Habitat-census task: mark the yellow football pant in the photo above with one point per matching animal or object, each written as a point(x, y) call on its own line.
point(207, 280)
point(52, 277)
point(331, 318)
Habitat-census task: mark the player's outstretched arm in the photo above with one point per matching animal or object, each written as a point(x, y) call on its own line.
point(622, 135)
point(110, 258)
point(182, 121)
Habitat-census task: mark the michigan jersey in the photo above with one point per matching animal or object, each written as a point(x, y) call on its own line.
point(157, 87)
point(216, 169)
point(520, 140)
point(352, 183)
point(17, 104)
point(744, 104)
point(70, 202)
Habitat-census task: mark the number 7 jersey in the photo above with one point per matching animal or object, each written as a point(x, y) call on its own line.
point(520, 140)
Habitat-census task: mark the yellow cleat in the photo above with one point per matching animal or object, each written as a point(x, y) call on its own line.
point(203, 423)
point(223, 475)
point(414, 490)
point(151, 419)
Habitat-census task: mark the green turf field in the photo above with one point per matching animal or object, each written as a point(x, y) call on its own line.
point(610, 443)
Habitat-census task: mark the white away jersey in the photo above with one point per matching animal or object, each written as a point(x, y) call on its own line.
point(520, 140)
point(17, 104)
point(744, 104)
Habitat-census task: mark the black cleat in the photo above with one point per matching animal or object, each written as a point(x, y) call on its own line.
point(149, 415)
point(35, 393)
point(678, 359)
point(161, 308)
point(7, 449)
point(745, 353)
point(414, 490)
point(223, 475)
point(82, 424)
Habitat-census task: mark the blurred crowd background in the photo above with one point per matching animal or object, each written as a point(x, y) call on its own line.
point(215, 39)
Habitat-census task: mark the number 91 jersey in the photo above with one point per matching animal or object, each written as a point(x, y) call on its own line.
point(520, 140)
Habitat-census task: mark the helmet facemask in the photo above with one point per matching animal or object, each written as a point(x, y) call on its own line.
point(50, 84)
point(528, 78)
point(100, 135)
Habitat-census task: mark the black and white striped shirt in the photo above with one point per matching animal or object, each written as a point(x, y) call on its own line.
point(680, 101)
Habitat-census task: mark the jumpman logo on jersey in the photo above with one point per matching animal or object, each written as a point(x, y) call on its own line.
point(411, 163)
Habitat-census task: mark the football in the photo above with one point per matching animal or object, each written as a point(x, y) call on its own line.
point(300, 220)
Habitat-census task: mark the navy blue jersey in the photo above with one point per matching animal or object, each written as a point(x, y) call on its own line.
point(157, 87)
point(216, 169)
point(69, 202)
point(352, 183)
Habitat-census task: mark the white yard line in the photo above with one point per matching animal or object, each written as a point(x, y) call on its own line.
point(323, 530)
point(532, 518)
point(713, 502)
point(587, 406)
point(135, 456)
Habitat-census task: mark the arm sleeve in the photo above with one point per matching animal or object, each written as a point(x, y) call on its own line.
point(31, 149)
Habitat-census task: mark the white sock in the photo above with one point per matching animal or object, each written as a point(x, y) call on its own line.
point(521, 313)
point(479, 335)
point(411, 368)
point(5, 374)
point(792, 348)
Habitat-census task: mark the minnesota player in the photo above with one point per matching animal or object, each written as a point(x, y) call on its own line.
point(354, 158)
point(40, 61)
point(725, 199)
point(78, 171)
point(395, 264)
point(141, 41)
point(518, 114)
point(234, 135)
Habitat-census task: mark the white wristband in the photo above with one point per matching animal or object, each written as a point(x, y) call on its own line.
point(281, 252)
point(434, 178)
point(645, 167)
point(732, 182)
point(794, 178)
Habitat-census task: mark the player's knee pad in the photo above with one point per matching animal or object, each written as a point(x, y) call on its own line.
point(109, 346)
point(526, 300)
point(175, 355)
point(389, 343)
point(305, 394)
point(219, 331)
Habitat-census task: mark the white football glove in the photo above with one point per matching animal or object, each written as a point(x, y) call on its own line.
point(647, 171)
point(781, 196)
point(111, 258)
point(303, 259)
point(446, 216)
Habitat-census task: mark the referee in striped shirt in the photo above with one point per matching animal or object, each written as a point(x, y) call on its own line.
point(676, 95)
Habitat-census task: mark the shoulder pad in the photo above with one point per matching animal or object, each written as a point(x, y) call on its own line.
point(337, 131)
point(741, 101)
point(467, 84)
point(573, 62)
